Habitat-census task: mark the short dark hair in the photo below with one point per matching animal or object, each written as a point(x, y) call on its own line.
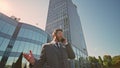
point(55, 31)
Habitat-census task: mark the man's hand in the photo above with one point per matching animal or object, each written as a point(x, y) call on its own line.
point(29, 57)
point(65, 41)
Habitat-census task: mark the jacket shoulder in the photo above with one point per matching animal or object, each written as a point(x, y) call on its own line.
point(46, 45)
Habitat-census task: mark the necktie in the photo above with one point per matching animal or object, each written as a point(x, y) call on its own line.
point(57, 44)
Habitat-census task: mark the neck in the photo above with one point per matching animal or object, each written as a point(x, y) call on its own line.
point(56, 40)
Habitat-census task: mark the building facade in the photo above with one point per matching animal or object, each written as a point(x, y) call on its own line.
point(16, 37)
point(63, 14)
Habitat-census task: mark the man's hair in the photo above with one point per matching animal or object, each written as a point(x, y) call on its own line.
point(56, 31)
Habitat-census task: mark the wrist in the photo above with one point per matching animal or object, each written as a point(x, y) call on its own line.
point(66, 43)
point(33, 62)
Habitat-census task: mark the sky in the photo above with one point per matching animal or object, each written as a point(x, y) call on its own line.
point(100, 21)
point(30, 11)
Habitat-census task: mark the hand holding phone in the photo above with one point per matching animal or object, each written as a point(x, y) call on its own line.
point(64, 41)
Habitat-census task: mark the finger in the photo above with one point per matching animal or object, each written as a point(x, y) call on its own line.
point(26, 56)
point(31, 53)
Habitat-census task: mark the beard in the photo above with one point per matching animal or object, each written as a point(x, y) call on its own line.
point(59, 39)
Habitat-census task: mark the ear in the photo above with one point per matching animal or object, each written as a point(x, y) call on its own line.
point(53, 34)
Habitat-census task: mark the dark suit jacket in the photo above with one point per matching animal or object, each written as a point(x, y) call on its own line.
point(53, 57)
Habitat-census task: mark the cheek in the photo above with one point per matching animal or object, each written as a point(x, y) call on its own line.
point(60, 35)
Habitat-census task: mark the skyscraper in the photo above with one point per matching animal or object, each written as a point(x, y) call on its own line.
point(63, 14)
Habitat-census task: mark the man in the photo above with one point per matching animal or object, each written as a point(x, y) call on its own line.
point(54, 54)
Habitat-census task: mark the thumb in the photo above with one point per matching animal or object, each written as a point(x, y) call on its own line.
point(31, 53)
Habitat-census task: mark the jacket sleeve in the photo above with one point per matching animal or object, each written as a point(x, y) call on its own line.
point(70, 52)
point(40, 63)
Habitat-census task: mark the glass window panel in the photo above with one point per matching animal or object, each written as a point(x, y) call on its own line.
point(20, 32)
point(31, 34)
point(30, 47)
point(0, 58)
point(16, 46)
point(2, 24)
point(23, 33)
point(34, 35)
point(38, 36)
point(25, 47)
point(1, 40)
point(5, 28)
point(39, 50)
point(20, 48)
point(10, 61)
point(35, 49)
point(4, 44)
point(12, 28)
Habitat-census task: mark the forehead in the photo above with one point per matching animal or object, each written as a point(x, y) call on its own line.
point(60, 32)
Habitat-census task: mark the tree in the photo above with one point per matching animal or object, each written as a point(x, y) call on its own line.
point(116, 60)
point(100, 61)
point(107, 60)
point(93, 61)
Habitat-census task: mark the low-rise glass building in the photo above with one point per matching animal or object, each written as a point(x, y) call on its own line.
point(17, 37)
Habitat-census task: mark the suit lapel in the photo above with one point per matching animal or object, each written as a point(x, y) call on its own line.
point(56, 50)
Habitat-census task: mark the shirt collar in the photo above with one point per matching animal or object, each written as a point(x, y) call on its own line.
point(54, 42)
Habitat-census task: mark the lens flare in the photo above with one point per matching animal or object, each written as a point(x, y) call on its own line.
point(4, 6)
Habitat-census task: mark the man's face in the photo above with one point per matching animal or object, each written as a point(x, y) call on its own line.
point(59, 35)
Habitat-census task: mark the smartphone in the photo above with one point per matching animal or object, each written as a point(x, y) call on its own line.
point(62, 40)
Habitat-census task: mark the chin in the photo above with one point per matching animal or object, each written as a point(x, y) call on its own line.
point(59, 39)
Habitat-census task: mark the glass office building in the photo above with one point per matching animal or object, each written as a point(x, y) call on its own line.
point(16, 37)
point(63, 14)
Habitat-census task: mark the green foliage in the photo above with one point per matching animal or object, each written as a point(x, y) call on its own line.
point(92, 59)
point(100, 60)
point(116, 60)
point(107, 61)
